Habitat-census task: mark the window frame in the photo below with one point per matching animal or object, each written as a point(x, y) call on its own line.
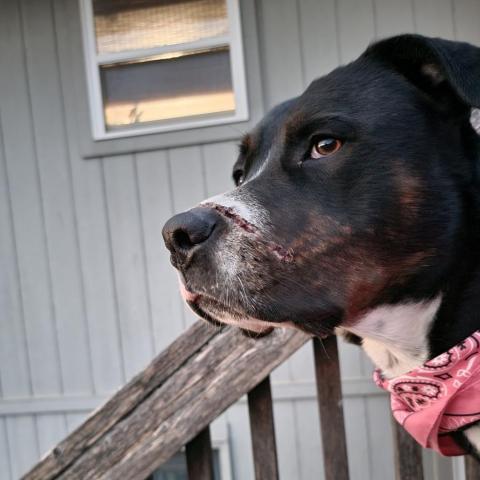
point(93, 61)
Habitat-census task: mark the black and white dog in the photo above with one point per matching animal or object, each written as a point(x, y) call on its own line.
point(357, 210)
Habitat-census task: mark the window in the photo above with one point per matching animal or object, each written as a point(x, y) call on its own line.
point(163, 65)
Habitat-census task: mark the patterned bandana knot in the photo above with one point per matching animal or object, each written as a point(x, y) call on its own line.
point(438, 397)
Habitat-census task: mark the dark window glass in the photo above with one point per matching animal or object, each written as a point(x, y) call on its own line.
point(186, 84)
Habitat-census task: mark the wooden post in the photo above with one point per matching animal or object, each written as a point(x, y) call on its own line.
point(260, 408)
point(329, 389)
point(199, 456)
point(408, 455)
point(472, 468)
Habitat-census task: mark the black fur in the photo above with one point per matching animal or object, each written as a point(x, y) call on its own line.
point(393, 216)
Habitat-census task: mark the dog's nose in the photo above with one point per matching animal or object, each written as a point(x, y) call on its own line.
point(187, 230)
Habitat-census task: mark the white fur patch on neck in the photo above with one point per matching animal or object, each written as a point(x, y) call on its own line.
point(473, 436)
point(395, 337)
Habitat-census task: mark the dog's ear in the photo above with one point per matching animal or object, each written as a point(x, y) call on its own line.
point(447, 71)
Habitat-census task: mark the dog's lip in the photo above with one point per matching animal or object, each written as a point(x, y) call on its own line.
point(193, 300)
point(188, 296)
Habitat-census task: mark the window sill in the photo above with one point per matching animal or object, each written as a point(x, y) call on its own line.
point(155, 141)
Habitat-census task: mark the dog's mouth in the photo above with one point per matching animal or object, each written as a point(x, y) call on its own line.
point(220, 314)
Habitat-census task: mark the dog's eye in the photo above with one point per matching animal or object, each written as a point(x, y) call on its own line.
point(324, 147)
point(238, 177)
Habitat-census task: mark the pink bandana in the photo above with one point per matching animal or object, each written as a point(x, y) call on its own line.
point(439, 397)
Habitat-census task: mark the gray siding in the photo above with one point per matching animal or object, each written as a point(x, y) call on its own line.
point(87, 295)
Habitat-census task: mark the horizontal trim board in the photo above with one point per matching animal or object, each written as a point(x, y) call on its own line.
point(288, 391)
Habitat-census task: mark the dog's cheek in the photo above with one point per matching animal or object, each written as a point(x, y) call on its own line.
point(353, 271)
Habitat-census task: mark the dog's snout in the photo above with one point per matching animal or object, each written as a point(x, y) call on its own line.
point(187, 230)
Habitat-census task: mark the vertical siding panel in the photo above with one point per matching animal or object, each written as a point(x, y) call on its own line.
point(437, 467)
point(74, 420)
point(14, 369)
point(302, 365)
point(5, 466)
point(466, 20)
point(218, 160)
point(23, 445)
point(351, 360)
point(309, 440)
point(240, 442)
point(358, 447)
point(188, 188)
point(393, 17)
point(26, 198)
point(57, 196)
point(356, 27)
point(51, 429)
point(319, 38)
point(95, 253)
point(443, 467)
point(97, 267)
point(380, 436)
point(285, 431)
point(186, 177)
point(428, 462)
point(280, 51)
point(128, 261)
point(434, 18)
point(458, 464)
point(156, 208)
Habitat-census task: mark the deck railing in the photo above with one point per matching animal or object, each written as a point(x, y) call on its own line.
point(172, 402)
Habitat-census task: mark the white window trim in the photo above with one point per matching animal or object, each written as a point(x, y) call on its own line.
point(93, 60)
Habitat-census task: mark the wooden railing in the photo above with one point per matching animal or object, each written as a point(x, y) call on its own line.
point(172, 402)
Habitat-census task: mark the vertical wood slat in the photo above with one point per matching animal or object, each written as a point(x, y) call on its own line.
point(199, 456)
point(408, 455)
point(260, 408)
point(472, 468)
point(329, 391)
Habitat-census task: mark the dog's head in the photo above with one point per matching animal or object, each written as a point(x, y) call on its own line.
point(351, 195)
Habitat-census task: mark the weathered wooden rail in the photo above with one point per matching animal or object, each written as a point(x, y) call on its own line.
point(172, 402)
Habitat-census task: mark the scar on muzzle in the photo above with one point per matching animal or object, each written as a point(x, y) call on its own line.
point(283, 254)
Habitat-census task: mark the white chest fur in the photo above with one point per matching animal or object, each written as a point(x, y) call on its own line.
point(395, 337)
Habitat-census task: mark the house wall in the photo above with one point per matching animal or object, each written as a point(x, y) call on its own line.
point(87, 295)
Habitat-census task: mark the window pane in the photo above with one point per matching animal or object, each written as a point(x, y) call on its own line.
point(184, 84)
point(122, 25)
